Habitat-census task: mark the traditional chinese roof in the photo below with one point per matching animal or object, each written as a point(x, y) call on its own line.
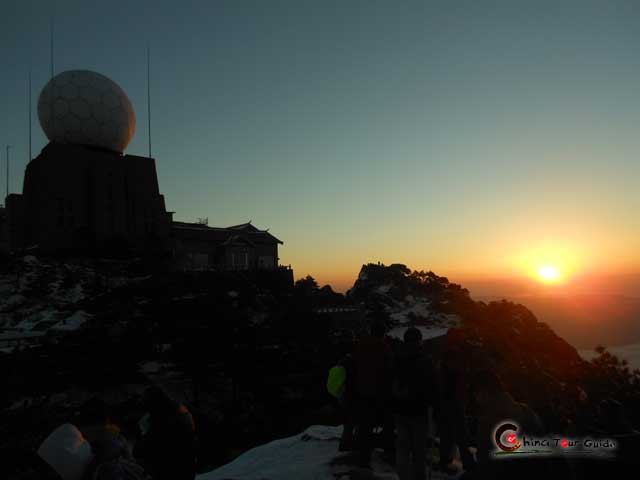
point(225, 236)
point(245, 226)
point(238, 240)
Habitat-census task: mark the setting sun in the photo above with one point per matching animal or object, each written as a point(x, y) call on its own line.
point(552, 262)
point(549, 273)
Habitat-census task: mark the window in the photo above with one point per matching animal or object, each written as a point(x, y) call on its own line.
point(266, 261)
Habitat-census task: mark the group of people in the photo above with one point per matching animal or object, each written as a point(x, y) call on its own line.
point(163, 448)
point(408, 390)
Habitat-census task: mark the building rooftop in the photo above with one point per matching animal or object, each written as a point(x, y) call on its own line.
point(227, 234)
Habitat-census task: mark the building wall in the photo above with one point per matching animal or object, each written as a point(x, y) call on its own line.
point(76, 197)
point(200, 255)
point(239, 257)
point(267, 255)
point(202, 248)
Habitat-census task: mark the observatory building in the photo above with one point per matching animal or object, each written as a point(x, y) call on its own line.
point(82, 194)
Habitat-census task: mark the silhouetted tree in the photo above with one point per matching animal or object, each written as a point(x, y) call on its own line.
point(306, 286)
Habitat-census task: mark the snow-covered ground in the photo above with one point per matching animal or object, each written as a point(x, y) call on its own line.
point(427, 332)
point(311, 455)
point(418, 312)
point(411, 308)
point(305, 456)
point(73, 322)
point(49, 296)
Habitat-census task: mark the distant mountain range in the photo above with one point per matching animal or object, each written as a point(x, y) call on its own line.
point(630, 353)
point(585, 320)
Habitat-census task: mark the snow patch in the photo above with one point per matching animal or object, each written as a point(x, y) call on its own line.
point(150, 367)
point(419, 309)
point(75, 294)
point(74, 322)
point(30, 260)
point(14, 301)
point(306, 456)
point(188, 296)
point(258, 318)
point(427, 333)
point(311, 455)
point(28, 323)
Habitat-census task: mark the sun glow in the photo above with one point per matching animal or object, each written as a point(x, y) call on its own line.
point(549, 273)
point(551, 263)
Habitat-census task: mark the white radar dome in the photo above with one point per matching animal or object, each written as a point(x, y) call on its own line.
point(86, 108)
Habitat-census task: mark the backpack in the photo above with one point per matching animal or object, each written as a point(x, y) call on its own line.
point(336, 382)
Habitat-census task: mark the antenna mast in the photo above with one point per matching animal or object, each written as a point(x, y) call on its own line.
point(51, 58)
point(8, 147)
point(149, 96)
point(51, 44)
point(29, 93)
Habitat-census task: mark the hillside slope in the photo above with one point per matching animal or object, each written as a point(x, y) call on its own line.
point(537, 366)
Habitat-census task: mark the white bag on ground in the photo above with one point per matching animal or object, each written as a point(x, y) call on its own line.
point(67, 452)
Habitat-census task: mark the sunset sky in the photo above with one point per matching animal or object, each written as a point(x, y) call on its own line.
point(482, 140)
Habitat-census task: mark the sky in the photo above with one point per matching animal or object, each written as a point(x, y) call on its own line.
point(480, 140)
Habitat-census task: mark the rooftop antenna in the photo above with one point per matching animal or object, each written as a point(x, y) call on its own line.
point(29, 94)
point(149, 96)
point(51, 43)
point(8, 148)
point(51, 59)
